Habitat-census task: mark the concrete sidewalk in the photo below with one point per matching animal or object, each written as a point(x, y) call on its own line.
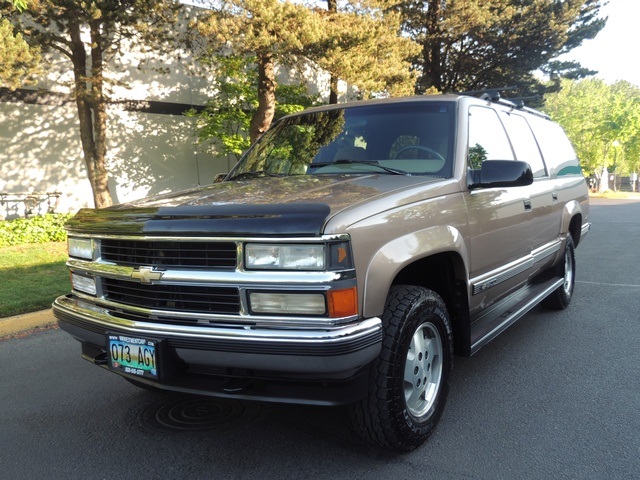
point(25, 322)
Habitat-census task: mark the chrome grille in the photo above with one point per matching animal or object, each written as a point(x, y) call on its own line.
point(170, 254)
point(184, 298)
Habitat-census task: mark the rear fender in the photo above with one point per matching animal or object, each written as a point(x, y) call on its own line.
point(571, 209)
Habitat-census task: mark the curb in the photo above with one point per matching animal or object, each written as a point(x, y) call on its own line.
point(26, 321)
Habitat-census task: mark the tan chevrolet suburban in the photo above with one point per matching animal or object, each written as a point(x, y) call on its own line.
point(345, 259)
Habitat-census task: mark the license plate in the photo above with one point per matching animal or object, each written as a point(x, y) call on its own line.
point(133, 355)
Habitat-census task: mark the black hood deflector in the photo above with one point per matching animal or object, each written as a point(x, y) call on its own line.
point(306, 219)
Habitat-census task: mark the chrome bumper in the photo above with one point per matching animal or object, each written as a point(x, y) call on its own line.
point(334, 352)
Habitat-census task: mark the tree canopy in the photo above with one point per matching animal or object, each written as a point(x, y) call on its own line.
point(475, 44)
point(224, 122)
point(602, 121)
point(18, 61)
point(361, 45)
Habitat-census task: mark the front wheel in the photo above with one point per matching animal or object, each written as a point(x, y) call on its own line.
point(409, 381)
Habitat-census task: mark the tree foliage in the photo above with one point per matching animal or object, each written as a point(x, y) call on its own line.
point(361, 43)
point(224, 122)
point(89, 34)
point(475, 44)
point(362, 47)
point(602, 121)
point(18, 61)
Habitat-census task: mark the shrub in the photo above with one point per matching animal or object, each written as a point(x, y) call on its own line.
point(45, 228)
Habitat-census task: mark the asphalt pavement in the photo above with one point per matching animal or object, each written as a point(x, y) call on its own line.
point(555, 396)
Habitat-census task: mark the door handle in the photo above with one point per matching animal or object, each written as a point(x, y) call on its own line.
point(527, 205)
point(554, 195)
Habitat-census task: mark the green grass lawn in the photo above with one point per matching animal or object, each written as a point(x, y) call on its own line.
point(32, 276)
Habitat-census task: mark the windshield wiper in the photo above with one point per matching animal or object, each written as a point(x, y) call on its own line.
point(260, 173)
point(247, 175)
point(345, 161)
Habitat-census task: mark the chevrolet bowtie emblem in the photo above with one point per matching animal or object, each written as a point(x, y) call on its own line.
point(146, 275)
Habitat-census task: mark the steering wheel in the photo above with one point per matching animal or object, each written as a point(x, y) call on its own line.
point(435, 154)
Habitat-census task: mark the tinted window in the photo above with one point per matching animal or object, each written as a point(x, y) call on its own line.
point(415, 138)
point(524, 143)
point(487, 138)
point(557, 151)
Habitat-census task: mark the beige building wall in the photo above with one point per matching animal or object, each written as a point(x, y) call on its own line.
point(148, 154)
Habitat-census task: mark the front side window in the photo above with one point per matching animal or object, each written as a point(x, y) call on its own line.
point(408, 138)
point(487, 138)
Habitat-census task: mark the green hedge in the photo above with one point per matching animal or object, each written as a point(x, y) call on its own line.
point(45, 228)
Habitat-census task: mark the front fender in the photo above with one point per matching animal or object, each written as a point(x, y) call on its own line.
point(397, 254)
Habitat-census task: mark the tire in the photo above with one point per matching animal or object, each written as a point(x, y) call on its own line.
point(566, 268)
point(409, 381)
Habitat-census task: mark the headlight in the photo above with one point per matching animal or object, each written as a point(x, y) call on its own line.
point(284, 257)
point(80, 247)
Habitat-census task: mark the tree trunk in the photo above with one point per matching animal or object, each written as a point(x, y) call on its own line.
point(431, 51)
point(101, 193)
point(333, 89)
point(91, 115)
point(263, 116)
point(332, 6)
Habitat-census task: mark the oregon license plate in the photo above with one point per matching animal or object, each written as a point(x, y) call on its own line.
point(133, 355)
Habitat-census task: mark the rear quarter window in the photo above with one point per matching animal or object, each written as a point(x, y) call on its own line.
point(557, 151)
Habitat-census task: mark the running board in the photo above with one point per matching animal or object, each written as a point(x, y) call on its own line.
point(497, 319)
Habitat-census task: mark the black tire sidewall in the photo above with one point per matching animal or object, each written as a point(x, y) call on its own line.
point(560, 299)
point(427, 307)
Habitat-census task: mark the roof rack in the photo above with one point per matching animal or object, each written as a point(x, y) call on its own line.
point(491, 94)
point(495, 95)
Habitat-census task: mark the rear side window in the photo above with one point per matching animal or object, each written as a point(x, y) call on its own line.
point(524, 143)
point(487, 138)
point(557, 151)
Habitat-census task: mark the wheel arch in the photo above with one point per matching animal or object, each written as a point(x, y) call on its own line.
point(572, 221)
point(441, 268)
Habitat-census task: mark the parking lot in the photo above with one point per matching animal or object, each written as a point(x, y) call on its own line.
point(556, 396)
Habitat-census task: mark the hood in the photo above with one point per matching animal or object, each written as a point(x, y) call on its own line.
point(294, 205)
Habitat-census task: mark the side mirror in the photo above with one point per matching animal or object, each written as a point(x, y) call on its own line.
point(501, 173)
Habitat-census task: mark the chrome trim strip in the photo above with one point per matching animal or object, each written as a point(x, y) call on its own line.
point(584, 230)
point(326, 335)
point(222, 278)
point(209, 319)
point(546, 251)
point(499, 275)
point(270, 239)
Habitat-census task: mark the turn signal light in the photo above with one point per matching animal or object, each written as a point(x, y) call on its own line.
point(343, 303)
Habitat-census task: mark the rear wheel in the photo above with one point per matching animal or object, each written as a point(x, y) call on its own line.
point(409, 382)
point(566, 268)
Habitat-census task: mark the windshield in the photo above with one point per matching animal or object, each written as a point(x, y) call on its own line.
point(391, 139)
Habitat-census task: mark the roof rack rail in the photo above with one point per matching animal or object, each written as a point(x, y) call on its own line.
point(491, 94)
point(495, 95)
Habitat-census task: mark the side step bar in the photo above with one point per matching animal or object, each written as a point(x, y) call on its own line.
point(497, 319)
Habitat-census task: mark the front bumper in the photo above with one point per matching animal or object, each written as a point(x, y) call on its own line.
point(319, 366)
